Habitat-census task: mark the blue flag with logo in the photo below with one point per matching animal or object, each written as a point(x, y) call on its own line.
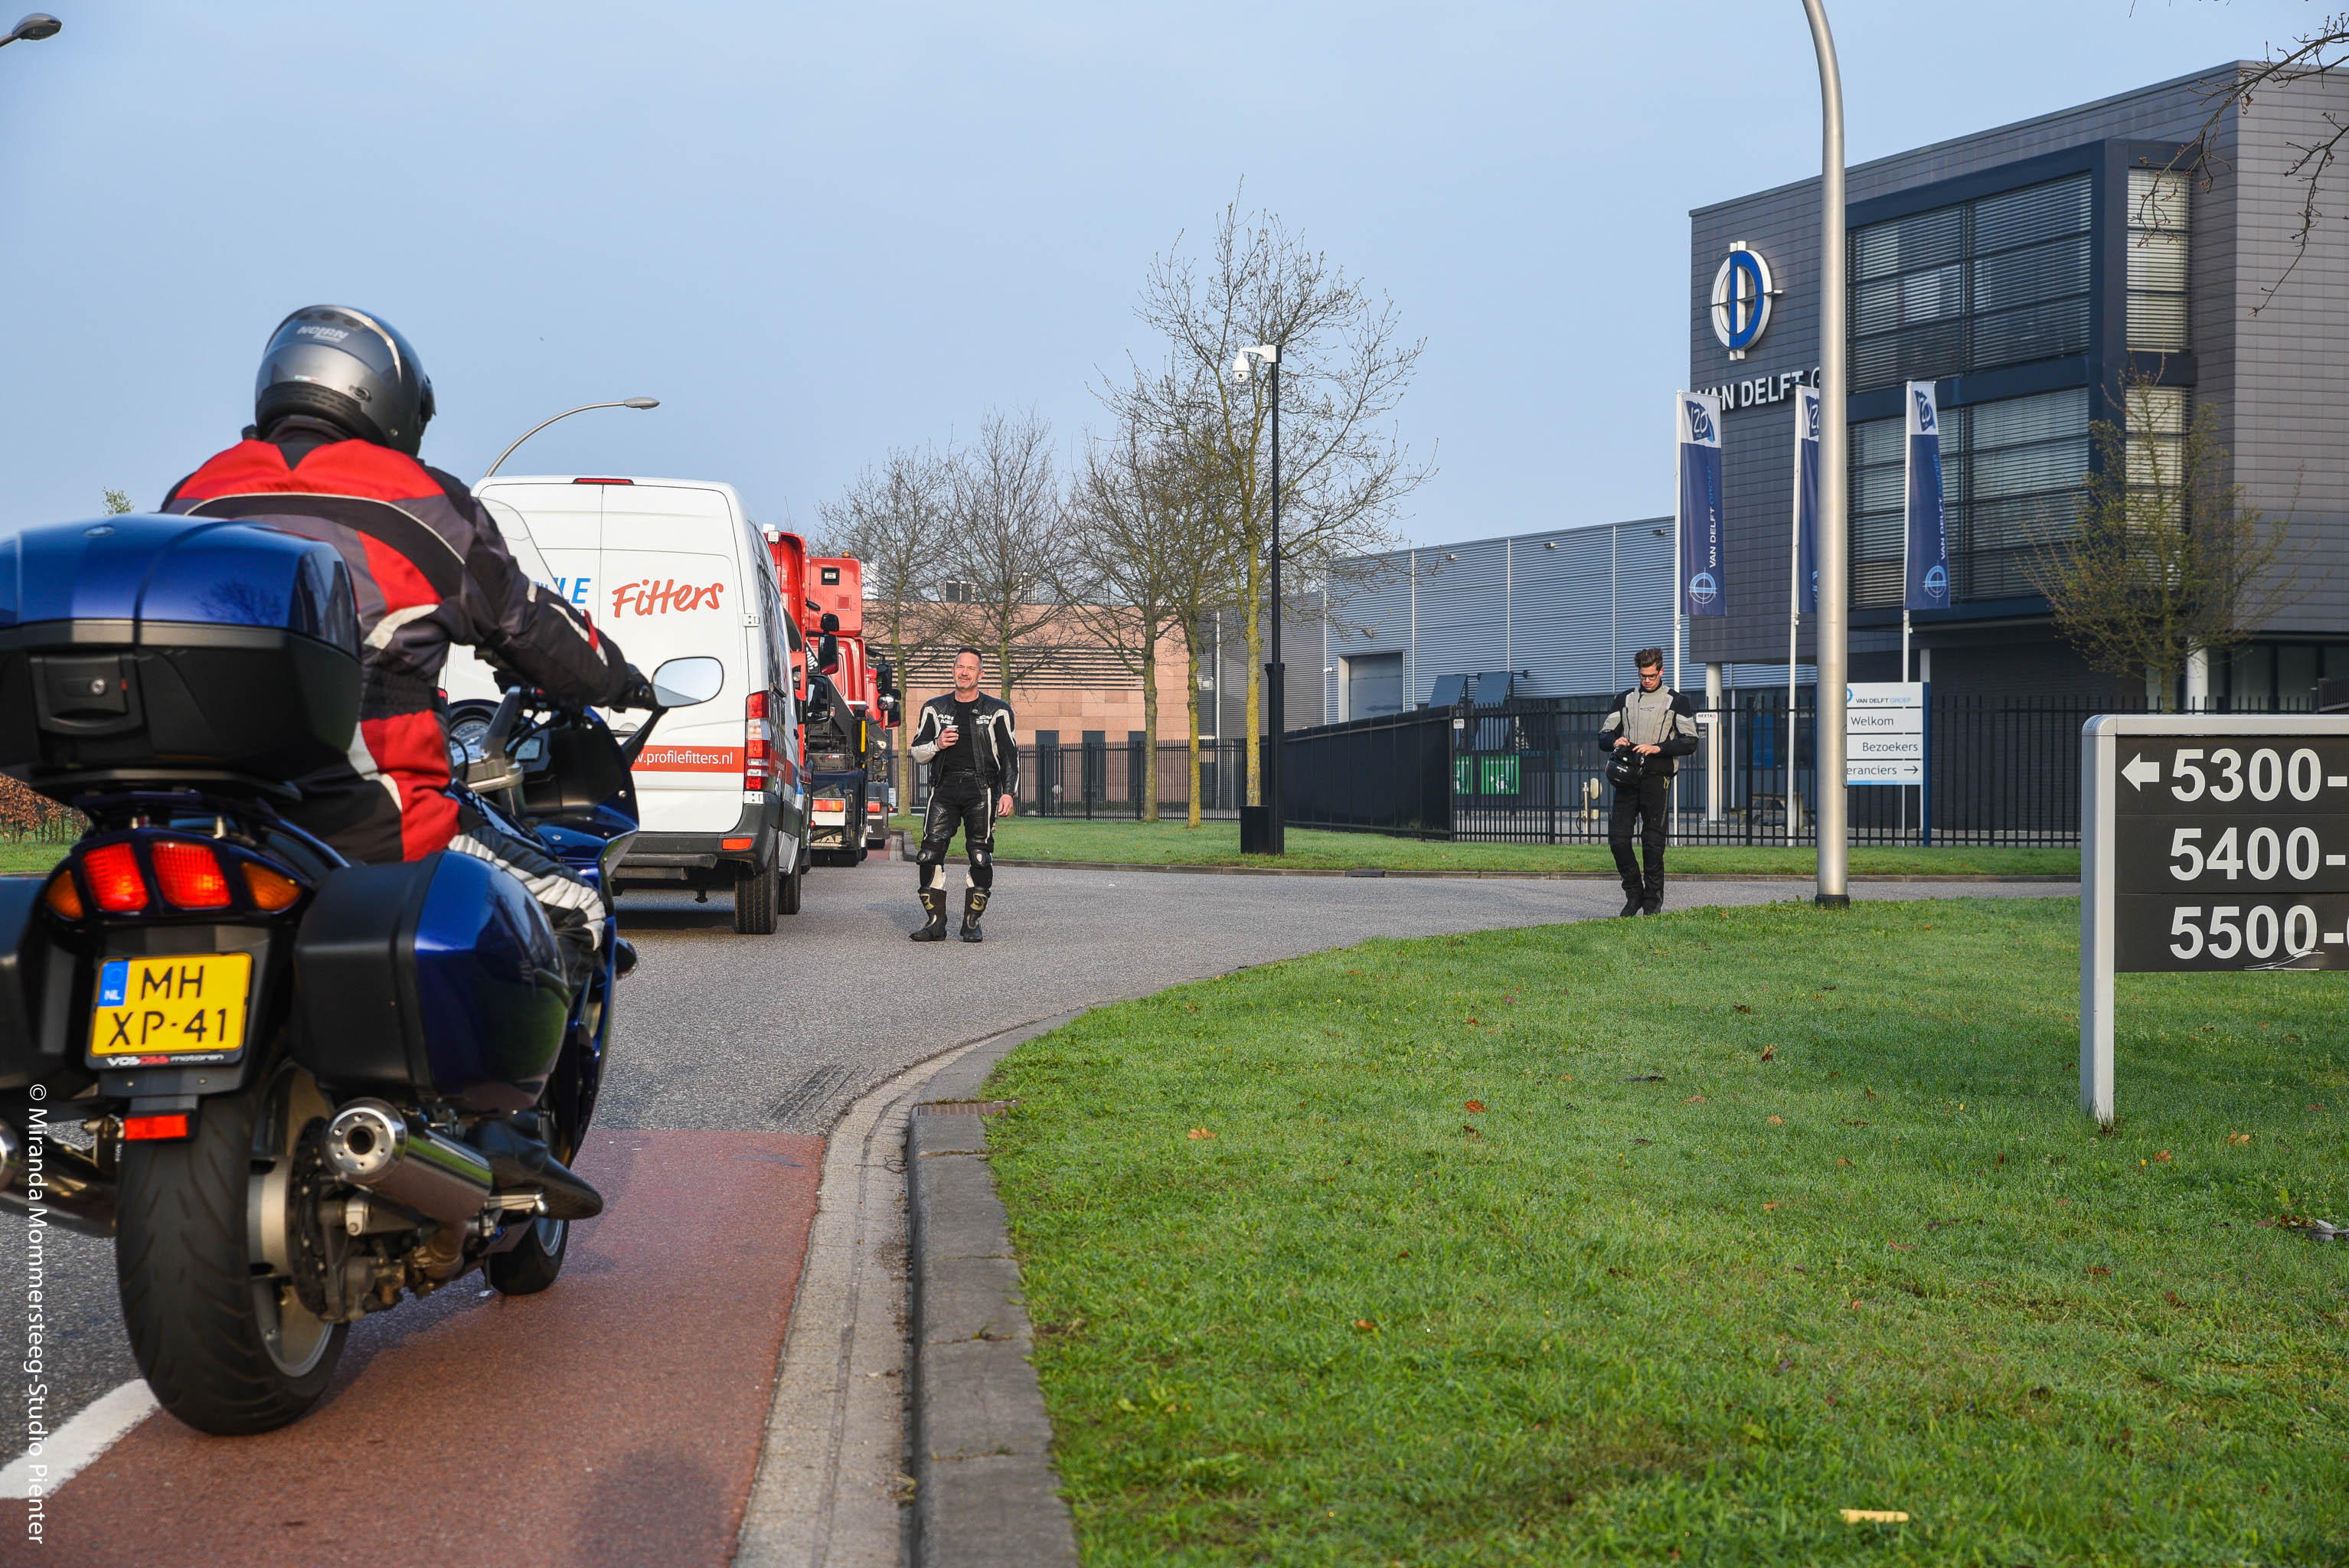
point(1807, 499)
point(1703, 590)
point(1927, 550)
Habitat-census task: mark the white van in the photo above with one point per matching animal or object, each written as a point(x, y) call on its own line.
point(670, 568)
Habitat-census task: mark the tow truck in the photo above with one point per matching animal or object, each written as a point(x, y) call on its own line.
point(850, 705)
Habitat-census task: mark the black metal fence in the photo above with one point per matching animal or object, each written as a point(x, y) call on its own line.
point(2000, 770)
point(1098, 781)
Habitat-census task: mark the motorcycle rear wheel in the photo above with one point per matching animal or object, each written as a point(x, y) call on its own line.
point(220, 1337)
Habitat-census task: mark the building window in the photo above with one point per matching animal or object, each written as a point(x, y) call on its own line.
point(2158, 213)
point(2157, 438)
point(956, 591)
point(2010, 473)
point(2002, 281)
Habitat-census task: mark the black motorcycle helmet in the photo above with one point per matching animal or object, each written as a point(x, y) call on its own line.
point(347, 367)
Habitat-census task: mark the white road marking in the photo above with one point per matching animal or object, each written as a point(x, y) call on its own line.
point(2337, 859)
point(74, 1447)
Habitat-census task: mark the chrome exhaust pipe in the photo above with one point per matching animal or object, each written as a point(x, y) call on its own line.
point(369, 1144)
point(74, 1193)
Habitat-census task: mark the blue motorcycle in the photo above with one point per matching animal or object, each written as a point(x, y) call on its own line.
point(292, 1089)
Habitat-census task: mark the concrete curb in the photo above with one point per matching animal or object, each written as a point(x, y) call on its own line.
point(1514, 876)
point(985, 1494)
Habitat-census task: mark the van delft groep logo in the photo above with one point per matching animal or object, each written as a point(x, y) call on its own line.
point(1700, 420)
point(1925, 425)
point(1741, 299)
point(1703, 589)
point(1937, 583)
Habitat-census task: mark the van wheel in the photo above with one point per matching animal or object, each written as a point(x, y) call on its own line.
point(754, 901)
point(793, 883)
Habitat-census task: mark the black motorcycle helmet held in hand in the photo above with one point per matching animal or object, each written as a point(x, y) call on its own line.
point(348, 368)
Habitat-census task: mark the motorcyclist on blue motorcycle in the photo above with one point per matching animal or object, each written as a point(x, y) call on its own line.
point(339, 409)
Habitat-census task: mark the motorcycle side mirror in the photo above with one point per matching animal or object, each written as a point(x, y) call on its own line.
point(686, 682)
point(884, 678)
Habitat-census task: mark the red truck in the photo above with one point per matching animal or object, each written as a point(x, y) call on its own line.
point(850, 707)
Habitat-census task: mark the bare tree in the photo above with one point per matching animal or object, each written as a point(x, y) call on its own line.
point(1344, 367)
point(1126, 557)
point(895, 521)
point(2311, 55)
point(1010, 544)
point(2167, 561)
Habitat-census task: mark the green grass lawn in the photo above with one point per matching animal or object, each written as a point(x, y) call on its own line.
point(29, 855)
point(1130, 842)
point(1670, 1239)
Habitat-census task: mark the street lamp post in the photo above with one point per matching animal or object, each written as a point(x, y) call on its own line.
point(542, 424)
point(36, 26)
point(1834, 816)
point(1275, 838)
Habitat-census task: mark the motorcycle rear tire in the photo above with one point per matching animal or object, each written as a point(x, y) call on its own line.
point(754, 901)
point(202, 1325)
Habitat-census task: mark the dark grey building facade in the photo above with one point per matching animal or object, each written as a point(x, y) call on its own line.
point(2035, 273)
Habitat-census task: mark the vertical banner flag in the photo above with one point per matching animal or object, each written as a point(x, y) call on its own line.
point(1927, 549)
point(1702, 590)
point(1807, 499)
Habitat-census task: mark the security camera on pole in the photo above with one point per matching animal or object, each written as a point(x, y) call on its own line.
point(1264, 833)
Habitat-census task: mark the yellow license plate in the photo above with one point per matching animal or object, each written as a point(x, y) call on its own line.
point(181, 1005)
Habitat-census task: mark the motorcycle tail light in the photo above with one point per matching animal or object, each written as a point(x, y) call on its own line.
point(141, 1129)
point(272, 889)
point(190, 876)
point(62, 896)
point(113, 873)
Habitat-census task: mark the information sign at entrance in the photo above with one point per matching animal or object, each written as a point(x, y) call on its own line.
point(1883, 732)
point(2207, 841)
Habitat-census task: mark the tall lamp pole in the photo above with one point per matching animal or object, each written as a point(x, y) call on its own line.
point(542, 424)
point(1275, 837)
point(1834, 816)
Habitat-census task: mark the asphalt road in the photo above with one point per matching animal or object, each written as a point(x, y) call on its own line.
point(778, 1035)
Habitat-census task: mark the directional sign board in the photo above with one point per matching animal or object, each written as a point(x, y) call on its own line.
point(2209, 841)
point(1883, 732)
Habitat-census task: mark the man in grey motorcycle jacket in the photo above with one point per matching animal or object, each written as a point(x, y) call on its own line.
point(965, 738)
point(1653, 725)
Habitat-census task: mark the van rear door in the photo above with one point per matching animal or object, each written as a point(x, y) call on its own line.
point(668, 582)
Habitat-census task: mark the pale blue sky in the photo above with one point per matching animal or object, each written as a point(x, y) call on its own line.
point(813, 233)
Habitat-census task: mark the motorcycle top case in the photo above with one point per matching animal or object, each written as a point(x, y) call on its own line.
point(436, 978)
point(145, 647)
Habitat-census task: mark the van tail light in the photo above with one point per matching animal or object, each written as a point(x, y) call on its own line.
point(272, 889)
point(758, 744)
point(114, 879)
point(190, 876)
point(61, 895)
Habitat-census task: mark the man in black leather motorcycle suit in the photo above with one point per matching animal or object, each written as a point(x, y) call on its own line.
point(340, 406)
point(965, 738)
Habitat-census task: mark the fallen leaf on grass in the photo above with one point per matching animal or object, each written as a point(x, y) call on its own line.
point(1901, 1246)
point(1841, 1162)
point(1853, 1307)
point(1203, 1132)
point(1693, 1099)
point(1769, 1053)
point(1364, 1325)
point(1769, 1205)
point(2171, 1297)
point(2097, 1270)
point(1470, 1131)
point(1472, 1017)
point(1475, 1106)
point(1742, 1008)
point(2162, 1158)
point(2317, 1108)
point(2238, 1137)
point(1645, 1078)
point(1876, 1515)
point(1643, 1140)
point(1777, 1121)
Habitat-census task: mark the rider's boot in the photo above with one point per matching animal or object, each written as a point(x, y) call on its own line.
point(934, 904)
point(974, 904)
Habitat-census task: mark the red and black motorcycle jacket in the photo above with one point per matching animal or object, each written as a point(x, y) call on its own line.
point(428, 568)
